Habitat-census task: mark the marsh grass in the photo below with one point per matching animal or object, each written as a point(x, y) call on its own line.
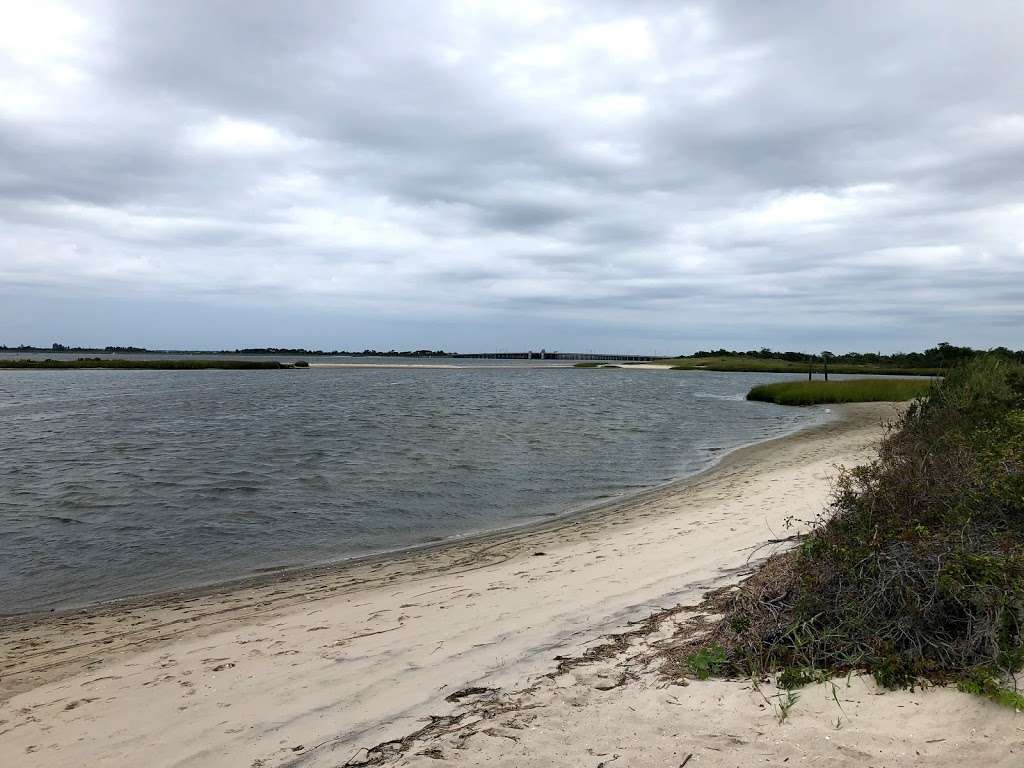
point(764, 365)
point(849, 391)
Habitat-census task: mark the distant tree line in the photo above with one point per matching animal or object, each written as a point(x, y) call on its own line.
point(941, 356)
point(56, 347)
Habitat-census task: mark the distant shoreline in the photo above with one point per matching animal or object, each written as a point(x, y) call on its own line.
point(125, 364)
point(195, 361)
point(930, 362)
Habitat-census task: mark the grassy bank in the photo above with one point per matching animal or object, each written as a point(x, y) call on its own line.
point(757, 365)
point(916, 571)
point(162, 365)
point(852, 391)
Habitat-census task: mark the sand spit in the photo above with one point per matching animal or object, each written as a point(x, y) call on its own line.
point(447, 366)
point(318, 668)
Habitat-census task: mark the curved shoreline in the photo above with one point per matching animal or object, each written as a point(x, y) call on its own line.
point(844, 418)
point(354, 654)
point(277, 575)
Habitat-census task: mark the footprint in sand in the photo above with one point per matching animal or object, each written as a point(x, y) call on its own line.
point(98, 679)
point(77, 703)
point(158, 680)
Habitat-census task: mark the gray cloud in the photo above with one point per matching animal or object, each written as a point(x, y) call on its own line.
point(582, 174)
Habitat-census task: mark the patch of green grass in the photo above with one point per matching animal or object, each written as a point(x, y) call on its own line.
point(850, 391)
point(162, 365)
point(786, 701)
point(994, 681)
point(986, 683)
point(766, 365)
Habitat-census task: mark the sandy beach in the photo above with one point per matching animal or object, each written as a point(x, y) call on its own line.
point(447, 366)
point(318, 668)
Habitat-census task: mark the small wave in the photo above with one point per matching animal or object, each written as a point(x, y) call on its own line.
point(230, 489)
point(64, 520)
point(184, 482)
point(713, 396)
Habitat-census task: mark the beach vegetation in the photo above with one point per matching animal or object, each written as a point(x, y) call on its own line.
point(930, 362)
point(792, 678)
point(847, 391)
point(707, 661)
point(787, 699)
point(915, 571)
point(994, 685)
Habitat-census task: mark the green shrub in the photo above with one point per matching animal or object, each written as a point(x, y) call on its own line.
point(917, 569)
point(708, 661)
point(792, 678)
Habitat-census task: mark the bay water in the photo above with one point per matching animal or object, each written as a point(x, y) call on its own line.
point(115, 483)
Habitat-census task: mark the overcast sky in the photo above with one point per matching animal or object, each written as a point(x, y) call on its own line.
point(581, 176)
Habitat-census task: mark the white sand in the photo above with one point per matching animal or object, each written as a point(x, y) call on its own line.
point(449, 366)
point(647, 367)
point(310, 669)
point(570, 721)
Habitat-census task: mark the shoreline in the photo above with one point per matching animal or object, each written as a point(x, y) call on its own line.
point(285, 573)
point(446, 366)
point(404, 629)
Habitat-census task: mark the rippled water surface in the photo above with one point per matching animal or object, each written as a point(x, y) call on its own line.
point(114, 483)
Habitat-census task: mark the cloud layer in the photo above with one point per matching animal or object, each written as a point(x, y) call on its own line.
point(581, 174)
